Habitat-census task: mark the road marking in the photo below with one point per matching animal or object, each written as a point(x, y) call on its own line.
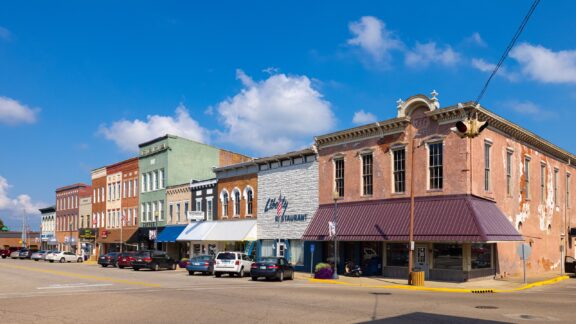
point(83, 276)
point(67, 286)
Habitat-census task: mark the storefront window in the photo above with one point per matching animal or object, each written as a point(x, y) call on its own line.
point(296, 252)
point(267, 248)
point(481, 256)
point(397, 255)
point(448, 256)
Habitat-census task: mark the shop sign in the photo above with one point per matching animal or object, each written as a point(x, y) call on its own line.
point(87, 233)
point(280, 205)
point(104, 234)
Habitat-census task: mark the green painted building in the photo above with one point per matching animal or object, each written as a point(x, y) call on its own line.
point(172, 160)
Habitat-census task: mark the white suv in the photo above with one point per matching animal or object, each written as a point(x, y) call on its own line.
point(232, 263)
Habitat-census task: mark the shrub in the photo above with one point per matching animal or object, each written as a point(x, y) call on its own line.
point(323, 271)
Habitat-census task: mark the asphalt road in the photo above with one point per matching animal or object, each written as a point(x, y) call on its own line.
point(80, 293)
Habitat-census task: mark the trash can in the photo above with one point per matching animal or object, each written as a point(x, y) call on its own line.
point(417, 278)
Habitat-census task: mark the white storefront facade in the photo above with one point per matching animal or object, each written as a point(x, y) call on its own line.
point(291, 181)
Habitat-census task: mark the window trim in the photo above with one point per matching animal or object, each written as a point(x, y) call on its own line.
point(509, 171)
point(363, 176)
point(247, 189)
point(395, 172)
point(487, 166)
point(428, 169)
point(341, 192)
point(237, 210)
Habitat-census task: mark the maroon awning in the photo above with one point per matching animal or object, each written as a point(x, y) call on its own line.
point(440, 218)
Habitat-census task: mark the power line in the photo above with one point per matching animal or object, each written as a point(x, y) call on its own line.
point(510, 46)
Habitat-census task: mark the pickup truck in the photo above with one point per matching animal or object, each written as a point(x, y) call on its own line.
point(6, 252)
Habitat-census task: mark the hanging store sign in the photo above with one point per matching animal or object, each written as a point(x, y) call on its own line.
point(87, 233)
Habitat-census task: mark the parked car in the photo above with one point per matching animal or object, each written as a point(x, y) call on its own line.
point(108, 259)
point(125, 259)
point(232, 263)
point(64, 257)
point(272, 268)
point(201, 263)
point(4, 253)
point(570, 265)
point(154, 260)
point(50, 255)
point(15, 254)
point(26, 253)
point(39, 255)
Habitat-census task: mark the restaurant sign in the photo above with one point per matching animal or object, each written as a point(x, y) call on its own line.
point(280, 205)
point(87, 233)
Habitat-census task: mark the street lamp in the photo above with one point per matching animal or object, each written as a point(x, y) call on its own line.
point(335, 196)
point(156, 213)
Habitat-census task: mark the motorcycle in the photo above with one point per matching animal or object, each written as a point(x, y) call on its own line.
point(352, 270)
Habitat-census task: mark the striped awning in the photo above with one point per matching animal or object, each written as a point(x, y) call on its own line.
point(461, 218)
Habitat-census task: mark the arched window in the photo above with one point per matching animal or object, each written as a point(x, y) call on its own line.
point(224, 200)
point(236, 202)
point(249, 197)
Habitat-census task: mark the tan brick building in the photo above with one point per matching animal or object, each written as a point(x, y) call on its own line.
point(474, 203)
point(67, 215)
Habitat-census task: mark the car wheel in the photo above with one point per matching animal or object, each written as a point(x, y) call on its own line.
point(62, 260)
point(136, 268)
point(217, 274)
point(173, 266)
point(281, 278)
point(121, 267)
point(254, 278)
point(79, 260)
point(51, 261)
point(241, 273)
point(291, 276)
point(36, 260)
point(190, 273)
point(103, 265)
point(156, 267)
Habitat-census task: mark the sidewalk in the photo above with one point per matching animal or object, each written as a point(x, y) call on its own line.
point(509, 284)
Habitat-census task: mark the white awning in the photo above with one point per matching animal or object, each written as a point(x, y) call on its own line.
point(240, 230)
point(196, 231)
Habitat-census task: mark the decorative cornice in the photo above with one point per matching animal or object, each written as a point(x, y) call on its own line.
point(378, 129)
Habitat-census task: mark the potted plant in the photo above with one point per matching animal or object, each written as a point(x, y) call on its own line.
point(323, 271)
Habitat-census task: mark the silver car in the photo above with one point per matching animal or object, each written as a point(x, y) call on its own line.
point(40, 255)
point(15, 254)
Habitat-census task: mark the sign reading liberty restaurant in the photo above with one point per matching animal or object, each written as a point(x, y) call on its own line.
point(280, 204)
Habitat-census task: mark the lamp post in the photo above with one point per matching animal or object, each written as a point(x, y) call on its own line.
point(156, 213)
point(335, 196)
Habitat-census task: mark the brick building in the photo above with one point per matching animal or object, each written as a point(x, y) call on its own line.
point(67, 215)
point(476, 200)
point(99, 197)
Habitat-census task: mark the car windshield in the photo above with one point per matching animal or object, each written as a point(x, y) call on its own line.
point(202, 258)
point(143, 254)
point(268, 260)
point(125, 254)
point(41, 252)
point(226, 256)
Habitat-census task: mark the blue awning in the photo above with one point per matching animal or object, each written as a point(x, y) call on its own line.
point(170, 233)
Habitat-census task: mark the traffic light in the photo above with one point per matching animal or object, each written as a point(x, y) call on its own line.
point(469, 127)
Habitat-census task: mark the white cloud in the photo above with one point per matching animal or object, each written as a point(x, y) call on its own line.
point(371, 35)
point(476, 39)
point(12, 112)
point(275, 115)
point(529, 109)
point(361, 117)
point(17, 206)
point(5, 33)
point(484, 66)
point(128, 134)
point(423, 55)
point(545, 65)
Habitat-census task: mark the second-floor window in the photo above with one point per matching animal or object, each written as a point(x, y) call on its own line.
point(555, 187)
point(339, 176)
point(367, 174)
point(568, 190)
point(209, 215)
point(399, 170)
point(435, 166)
point(542, 182)
point(487, 147)
point(508, 173)
point(526, 178)
point(225, 204)
point(249, 202)
point(236, 203)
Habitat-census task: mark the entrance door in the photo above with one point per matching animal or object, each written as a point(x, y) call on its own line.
point(281, 249)
point(421, 259)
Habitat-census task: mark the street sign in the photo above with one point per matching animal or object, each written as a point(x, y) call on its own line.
point(524, 250)
point(311, 247)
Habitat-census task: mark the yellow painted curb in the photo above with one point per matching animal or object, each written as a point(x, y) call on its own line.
point(453, 290)
point(81, 276)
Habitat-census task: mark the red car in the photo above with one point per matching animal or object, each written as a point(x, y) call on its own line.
point(125, 259)
point(6, 252)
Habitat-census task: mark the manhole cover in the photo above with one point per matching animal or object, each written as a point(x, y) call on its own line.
point(486, 307)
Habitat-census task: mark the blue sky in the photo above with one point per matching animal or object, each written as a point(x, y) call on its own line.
point(82, 83)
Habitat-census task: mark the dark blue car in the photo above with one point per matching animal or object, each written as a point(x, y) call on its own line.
point(201, 263)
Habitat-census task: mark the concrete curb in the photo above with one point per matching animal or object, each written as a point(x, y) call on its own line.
point(441, 289)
